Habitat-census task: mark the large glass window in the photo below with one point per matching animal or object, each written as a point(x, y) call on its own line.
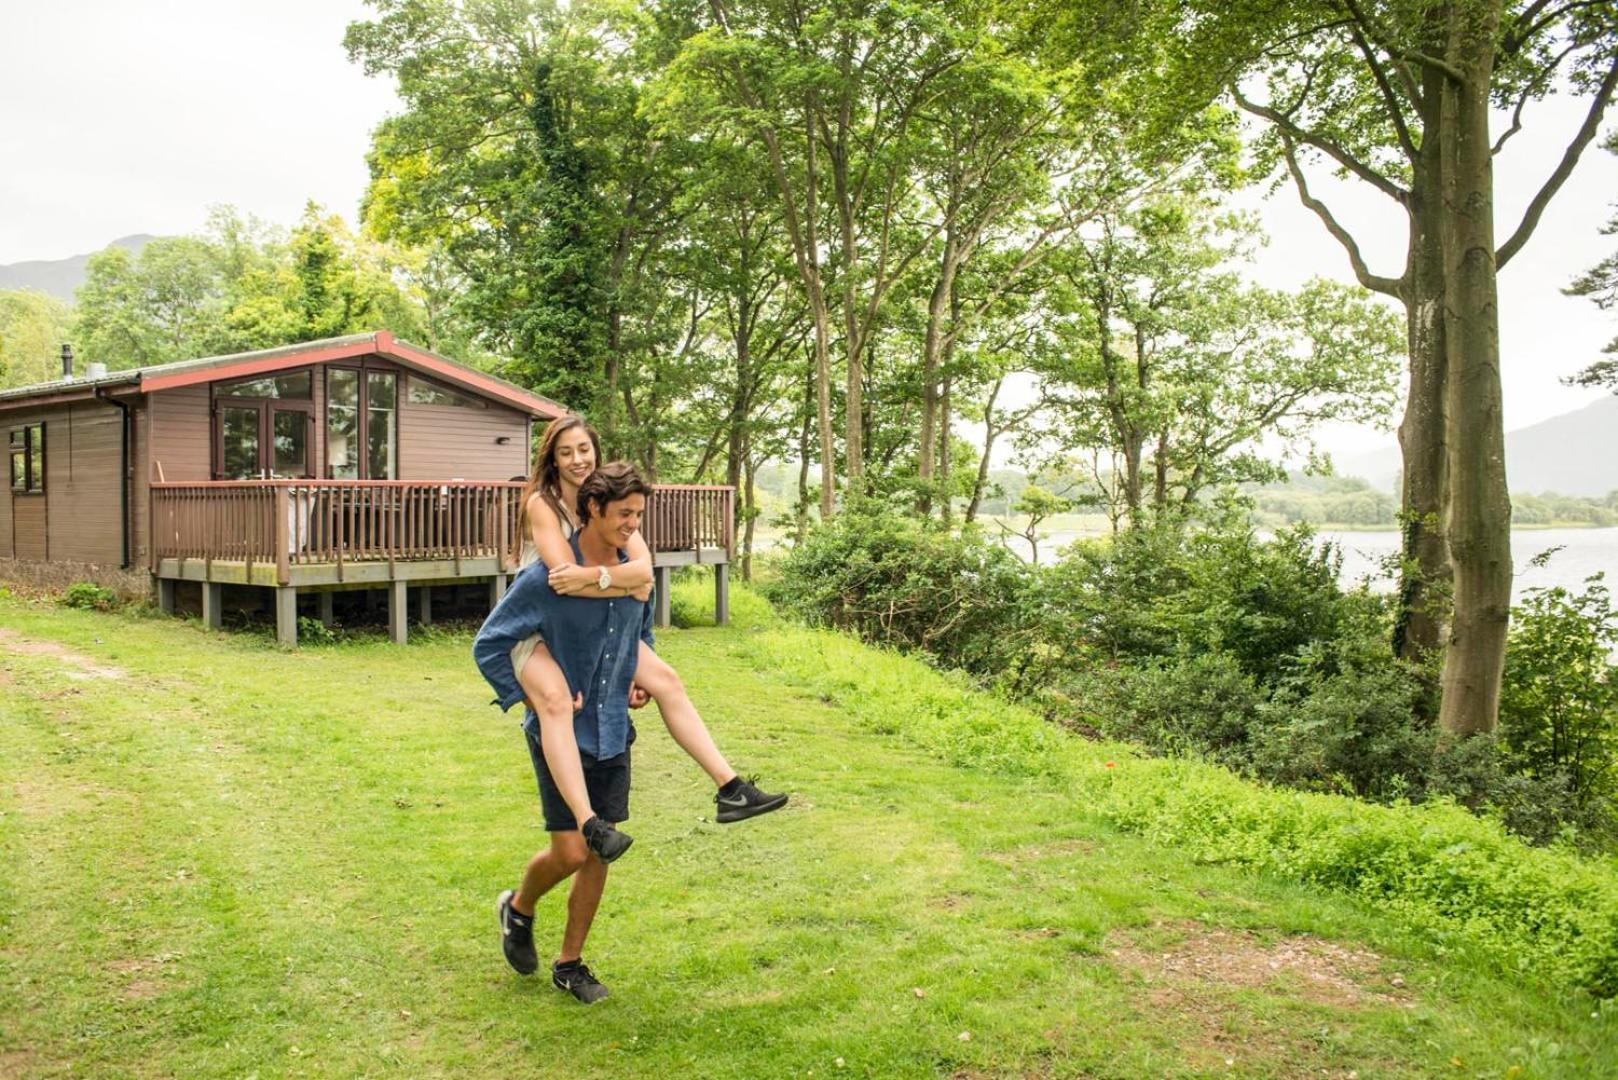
point(381, 424)
point(362, 424)
point(290, 438)
point(343, 423)
point(27, 448)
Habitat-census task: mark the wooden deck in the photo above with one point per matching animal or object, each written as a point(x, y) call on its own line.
point(323, 536)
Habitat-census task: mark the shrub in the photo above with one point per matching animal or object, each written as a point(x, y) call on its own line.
point(314, 632)
point(89, 596)
point(1189, 703)
point(1559, 711)
point(896, 580)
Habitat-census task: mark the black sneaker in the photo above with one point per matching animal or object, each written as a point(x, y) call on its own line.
point(516, 936)
point(745, 801)
point(607, 842)
point(579, 981)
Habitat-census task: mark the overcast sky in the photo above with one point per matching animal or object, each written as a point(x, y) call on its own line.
point(125, 118)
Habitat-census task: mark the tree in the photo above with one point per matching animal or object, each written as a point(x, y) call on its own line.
point(33, 328)
point(525, 157)
point(1397, 94)
point(1164, 358)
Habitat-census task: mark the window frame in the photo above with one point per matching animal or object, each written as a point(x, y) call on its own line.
point(363, 367)
point(31, 451)
point(267, 407)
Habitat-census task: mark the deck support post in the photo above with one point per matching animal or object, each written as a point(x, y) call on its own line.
point(661, 609)
point(286, 614)
point(399, 611)
point(324, 600)
point(721, 594)
point(424, 596)
point(165, 595)
point(213, 598)
point(497, 589)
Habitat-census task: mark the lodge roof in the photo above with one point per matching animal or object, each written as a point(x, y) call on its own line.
point(232, 365)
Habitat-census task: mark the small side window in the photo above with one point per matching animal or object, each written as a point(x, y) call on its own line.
point(26, 446)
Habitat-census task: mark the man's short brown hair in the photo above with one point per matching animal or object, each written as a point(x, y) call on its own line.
point(611, 483)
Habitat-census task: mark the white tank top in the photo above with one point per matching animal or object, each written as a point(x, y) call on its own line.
point(530, 554)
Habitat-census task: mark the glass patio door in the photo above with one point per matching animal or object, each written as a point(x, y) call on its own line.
point(263, 441)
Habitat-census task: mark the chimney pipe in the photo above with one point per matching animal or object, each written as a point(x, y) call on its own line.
point(67, 361)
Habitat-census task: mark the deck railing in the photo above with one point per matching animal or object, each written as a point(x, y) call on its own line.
point(287, 523)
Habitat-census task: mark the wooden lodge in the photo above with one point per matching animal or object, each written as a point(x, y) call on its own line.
point(359, 462)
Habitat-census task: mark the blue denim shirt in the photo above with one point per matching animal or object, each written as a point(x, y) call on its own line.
point(595, 642)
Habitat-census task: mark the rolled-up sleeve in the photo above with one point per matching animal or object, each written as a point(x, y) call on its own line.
point(515, 618)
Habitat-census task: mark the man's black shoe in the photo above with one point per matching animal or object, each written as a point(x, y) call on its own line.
point(516, 936)
point(579, 981)
point(607, 842)
point(740, 799)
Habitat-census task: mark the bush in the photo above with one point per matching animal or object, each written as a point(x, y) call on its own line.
point(896, 580)
point(1559, 713)
point(88, 596)
point(1191, 703)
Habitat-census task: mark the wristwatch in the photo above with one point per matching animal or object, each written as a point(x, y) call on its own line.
point(604, 580)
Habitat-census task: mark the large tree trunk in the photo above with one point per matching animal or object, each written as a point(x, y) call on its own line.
point(1479, 524)
point(989, 435)
point(1425, 575)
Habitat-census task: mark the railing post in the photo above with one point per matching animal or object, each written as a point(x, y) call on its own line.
point(283, 573)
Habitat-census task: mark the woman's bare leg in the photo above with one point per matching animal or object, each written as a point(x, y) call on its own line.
point(546, 689)
point(655, 676)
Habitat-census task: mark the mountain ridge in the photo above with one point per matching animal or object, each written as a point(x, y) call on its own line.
point(62, 277)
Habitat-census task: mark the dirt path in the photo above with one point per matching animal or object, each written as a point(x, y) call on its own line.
point(83, 666)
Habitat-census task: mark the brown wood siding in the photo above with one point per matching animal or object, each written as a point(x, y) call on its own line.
point(444, 442)
point(28, 525)
point(76, 519)
point(181, 435)
point(6, 497)
point(81, 483)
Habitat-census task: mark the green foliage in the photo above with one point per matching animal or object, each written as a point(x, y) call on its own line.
point(1559, 707)
point(312, 631)
point(33, 327)
point(89, 596)
point(898, 580)
point(240, 286)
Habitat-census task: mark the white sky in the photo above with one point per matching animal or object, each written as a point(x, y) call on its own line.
point(123, 118)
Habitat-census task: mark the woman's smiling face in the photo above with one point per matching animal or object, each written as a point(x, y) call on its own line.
point(575, 456)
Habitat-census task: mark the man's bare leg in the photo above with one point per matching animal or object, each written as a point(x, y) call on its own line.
point(550, 867)
point(582, 901)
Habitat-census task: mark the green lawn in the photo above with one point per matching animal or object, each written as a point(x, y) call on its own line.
point(222, 859)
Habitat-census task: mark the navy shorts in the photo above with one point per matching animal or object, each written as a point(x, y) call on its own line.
point(606, 782)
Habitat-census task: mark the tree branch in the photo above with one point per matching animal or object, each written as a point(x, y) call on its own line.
point(1388, 286)
point(1389, 98)
point(1291, 132)
point(1570, 158)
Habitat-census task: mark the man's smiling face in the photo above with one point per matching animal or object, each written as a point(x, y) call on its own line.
point(619, 520)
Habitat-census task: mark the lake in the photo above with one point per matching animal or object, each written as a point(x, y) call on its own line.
point(1584, 552)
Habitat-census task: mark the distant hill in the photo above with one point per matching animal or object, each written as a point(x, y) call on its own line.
point(60, 277)
point(1572, 454)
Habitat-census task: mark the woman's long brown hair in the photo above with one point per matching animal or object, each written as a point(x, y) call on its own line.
point(546, 478)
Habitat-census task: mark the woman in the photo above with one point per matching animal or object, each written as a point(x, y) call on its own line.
point(568, 452)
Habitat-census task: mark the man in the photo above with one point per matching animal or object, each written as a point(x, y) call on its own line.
point(596, 643)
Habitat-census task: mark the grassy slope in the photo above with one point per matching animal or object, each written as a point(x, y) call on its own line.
point(238, 860)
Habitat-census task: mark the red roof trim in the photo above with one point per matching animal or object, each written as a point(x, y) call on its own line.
point(382, 343)
point(469, 377)
point(257, 367)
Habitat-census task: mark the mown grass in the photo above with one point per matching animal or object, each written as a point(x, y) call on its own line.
point(236, 861)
